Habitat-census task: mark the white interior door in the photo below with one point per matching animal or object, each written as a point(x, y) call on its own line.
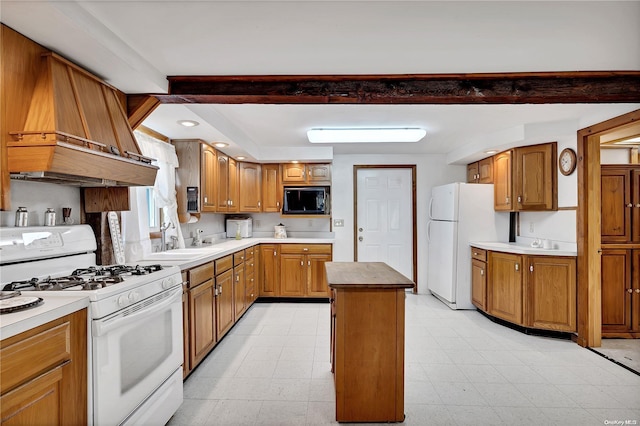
point(384, 228)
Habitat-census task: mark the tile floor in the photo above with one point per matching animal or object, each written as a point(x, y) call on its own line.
point(460, 369)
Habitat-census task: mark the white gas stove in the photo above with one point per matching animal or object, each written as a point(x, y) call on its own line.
point(135, 312)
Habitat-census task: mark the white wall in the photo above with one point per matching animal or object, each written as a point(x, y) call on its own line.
point(431, 170)
point(37, 197)
point(614, 156)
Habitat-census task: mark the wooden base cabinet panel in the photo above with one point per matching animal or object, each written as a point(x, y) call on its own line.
point(224, 302)
point(292, 275)
point(202, 321)
point(551, 293)
point(618, 292)
point(44, 374)
point(270, 270)
point(504, 294)
point(369, 359)
point(479, 284)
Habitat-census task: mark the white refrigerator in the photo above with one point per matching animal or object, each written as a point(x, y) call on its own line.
point(459, 213)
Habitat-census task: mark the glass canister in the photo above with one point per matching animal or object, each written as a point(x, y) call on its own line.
point(22, 217)
point(50, 217)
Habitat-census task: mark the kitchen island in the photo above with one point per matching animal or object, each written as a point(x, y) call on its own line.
point(367, 340)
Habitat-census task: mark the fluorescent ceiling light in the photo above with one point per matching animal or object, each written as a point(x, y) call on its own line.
point(366, 135)
point(631, 141)
point(188, 123)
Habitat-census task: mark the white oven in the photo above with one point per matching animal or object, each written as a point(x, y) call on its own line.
point(135, 359)
point(135, 351)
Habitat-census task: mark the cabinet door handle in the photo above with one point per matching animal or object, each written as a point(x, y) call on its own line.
point(629, 205)
point(220, 291)
point(258, 203)
point(237, 278)
point(275, 253)
point(630, 290)
point(205, 200)
point(278, 204)
point(638, 290)
point(517, 266)
point(506, 199)
point(215, 292)
point(308, 263)
point(519, 198)
point(301, 263)
point(481, 272)
point(531, 268)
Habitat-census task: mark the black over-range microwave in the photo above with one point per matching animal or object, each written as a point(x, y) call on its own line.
point(306, 200)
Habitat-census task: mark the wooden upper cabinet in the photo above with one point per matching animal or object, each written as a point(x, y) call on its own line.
point(319, 173)
point(234, 193)
point(250, 187)
point(314, 174)
point(526, 178)
point(485, 170)
point(222, 203)
point(536, 177)
point(271, 188)
point(293, 173)
point(480, 171)
point(208, 178)
point(472, 173)
point(620, 204)
point(502, 181)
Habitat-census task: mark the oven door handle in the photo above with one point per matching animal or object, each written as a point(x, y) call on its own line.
point(105, 325)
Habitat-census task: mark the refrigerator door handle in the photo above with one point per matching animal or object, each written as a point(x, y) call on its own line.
point(431, 208)
point(429, 231)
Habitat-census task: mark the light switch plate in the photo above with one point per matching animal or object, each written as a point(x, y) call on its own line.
point(338, 223)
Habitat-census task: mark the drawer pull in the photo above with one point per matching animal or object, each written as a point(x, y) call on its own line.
point(475, 253)
point(305, 249)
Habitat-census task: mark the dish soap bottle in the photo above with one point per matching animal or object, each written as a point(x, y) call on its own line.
point(238, 234)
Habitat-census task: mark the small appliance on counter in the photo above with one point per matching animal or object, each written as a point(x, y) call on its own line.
point(280, 232)
point(240, 227)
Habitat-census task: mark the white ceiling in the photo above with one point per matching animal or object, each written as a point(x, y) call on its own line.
point(134, 45)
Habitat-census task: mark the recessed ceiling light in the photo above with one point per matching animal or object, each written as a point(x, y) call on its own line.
point(366, 135)
point(491, 151)
point(188, 123)
point(294, 161)
point(221, 144)
point(242, 157)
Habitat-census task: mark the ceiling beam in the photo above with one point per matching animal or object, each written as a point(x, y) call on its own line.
point(493, 88)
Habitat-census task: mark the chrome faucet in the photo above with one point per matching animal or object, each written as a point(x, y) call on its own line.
point(163, 235)
point(197, 241)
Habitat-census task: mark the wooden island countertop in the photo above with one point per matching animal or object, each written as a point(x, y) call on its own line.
point(365, 275)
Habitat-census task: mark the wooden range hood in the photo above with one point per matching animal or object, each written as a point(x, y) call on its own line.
point(76, 133)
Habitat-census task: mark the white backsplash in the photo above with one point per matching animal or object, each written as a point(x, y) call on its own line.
point(559, 227)
point(37, 197)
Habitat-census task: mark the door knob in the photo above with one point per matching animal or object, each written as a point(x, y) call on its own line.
point(360, 238)
point(359, 229)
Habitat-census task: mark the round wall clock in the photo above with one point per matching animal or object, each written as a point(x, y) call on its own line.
point(567, 161)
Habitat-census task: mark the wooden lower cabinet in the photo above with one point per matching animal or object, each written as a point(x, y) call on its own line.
point(239, 290)
point(302, 270)
point(44, 374)
point(479, 278)
point(224, 302)
point(269, 271)
point(528, 290)
point(504, 289)
point(620, 292)
point(551, 293)
point(202, 313)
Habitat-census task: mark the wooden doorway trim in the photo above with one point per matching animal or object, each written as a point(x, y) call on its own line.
point(588, 224)
point(413, 212)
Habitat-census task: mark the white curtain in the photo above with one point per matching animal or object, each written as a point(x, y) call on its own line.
point(135, 221)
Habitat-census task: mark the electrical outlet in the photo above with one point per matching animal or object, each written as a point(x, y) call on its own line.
point(531, 227)
point(257, 223)
point(310, 224)
point(338, 223)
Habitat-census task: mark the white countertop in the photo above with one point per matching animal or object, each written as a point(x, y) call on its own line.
point(521, 249)
point(52, 308)
point(193, 256)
